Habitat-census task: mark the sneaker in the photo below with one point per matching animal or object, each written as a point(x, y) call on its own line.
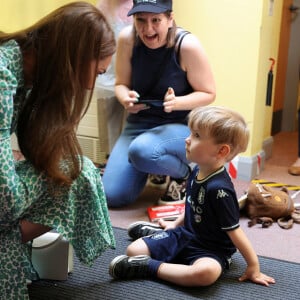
point(175, 193)
point(141, 228)
point(157, 181)
point(127, 267)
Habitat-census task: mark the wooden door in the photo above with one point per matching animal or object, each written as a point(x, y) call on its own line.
point(282, 61)
point(289, 117)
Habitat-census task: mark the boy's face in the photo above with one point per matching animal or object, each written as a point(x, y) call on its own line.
point(201, 148)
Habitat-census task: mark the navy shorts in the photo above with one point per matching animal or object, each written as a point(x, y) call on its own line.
point(177, 246)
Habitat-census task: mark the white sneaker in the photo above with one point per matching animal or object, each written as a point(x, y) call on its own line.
point(175, 193)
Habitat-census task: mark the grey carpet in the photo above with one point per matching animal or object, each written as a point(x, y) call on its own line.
point(95, 283)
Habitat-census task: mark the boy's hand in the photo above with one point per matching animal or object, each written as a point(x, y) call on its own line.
point(167, 224)
point(257, 277)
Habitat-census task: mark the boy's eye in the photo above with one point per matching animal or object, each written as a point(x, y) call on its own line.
point(196, 135)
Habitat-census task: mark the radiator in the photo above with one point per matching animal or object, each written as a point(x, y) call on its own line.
point(92, 149)
point(92, 131)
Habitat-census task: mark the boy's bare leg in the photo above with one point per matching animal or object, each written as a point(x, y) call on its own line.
point(204, 272)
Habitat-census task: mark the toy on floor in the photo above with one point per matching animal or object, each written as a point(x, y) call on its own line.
point(264, 205)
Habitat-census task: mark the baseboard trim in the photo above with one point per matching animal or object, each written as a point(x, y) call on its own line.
point(268, 147)
point(246, 168)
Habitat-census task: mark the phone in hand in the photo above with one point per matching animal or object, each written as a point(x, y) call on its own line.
point(151, 103)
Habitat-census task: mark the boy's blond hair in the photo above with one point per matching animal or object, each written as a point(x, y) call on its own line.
point(222, 124)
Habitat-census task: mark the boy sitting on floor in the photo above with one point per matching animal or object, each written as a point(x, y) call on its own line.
point(197, 247)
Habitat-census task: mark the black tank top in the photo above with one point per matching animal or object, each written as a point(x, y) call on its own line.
point(153, 71)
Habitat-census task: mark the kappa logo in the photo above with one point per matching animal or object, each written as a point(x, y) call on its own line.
point(201, 195)
point(159, 235)
point(221, 194)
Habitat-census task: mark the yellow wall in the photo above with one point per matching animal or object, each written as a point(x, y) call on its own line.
point(239, 37)
point(269, 42)
point(17, 14)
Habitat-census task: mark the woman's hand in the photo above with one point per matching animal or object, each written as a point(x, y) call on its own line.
point(131, 104)
point(170, 100)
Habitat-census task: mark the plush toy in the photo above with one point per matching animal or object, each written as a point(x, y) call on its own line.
point(263, 205)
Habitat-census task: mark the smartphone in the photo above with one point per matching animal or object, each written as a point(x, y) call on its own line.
point(151, 103)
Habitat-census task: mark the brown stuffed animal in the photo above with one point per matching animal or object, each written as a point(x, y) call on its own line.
point(264, 204)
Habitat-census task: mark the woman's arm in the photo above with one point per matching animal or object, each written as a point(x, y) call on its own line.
point(194, 62)
point(252, 272)
point(126, 97)
point(123, 62)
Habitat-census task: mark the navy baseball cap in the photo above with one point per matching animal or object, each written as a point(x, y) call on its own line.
point(152, 6)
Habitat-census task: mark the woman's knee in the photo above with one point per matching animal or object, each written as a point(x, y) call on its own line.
point(139, 152)
point(144, 151)
point(118, 196)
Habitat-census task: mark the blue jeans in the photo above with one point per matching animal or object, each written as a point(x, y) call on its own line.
point(144, 149)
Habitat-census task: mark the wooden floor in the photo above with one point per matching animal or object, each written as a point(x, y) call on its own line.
point(270, 242)
point(283, 155)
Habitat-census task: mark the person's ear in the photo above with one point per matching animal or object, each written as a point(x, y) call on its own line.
point(224, 150)
point(171, 20)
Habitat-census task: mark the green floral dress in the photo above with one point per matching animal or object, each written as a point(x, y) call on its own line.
point(79, 213)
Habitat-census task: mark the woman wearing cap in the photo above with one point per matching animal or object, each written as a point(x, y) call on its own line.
point(162, 72)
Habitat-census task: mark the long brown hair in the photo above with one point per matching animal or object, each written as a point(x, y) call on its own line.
point(64, 44)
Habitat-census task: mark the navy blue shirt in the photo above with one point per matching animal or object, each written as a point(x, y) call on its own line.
point(153, 72)
point(211, 210)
